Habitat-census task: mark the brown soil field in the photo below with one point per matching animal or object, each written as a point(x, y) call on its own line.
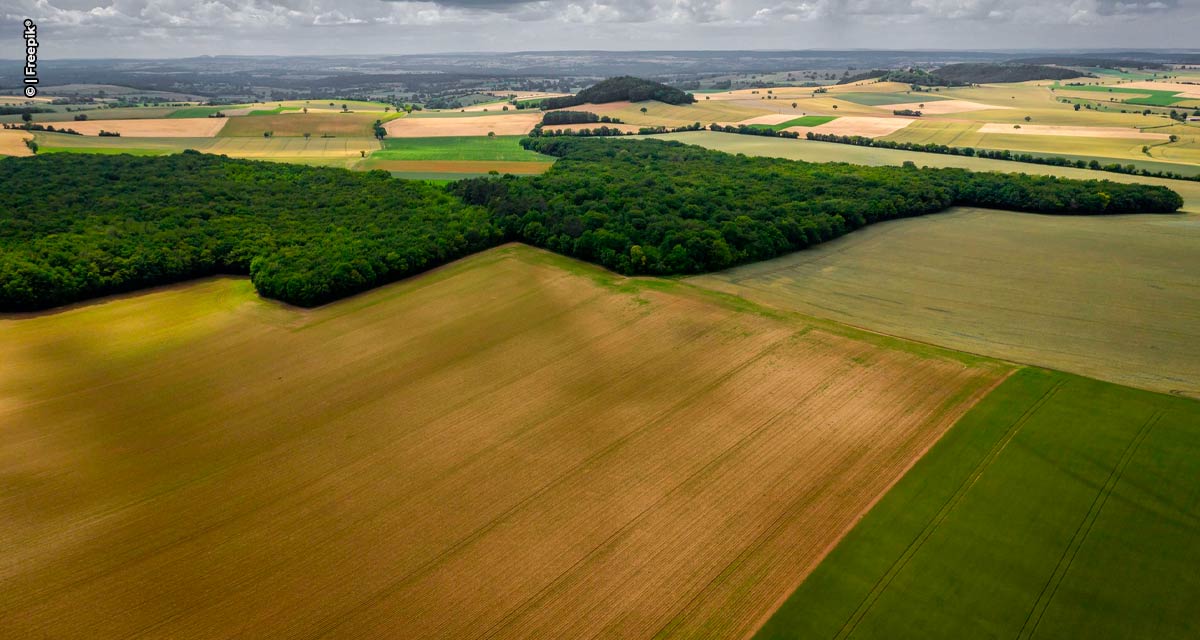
point(461, 166)
point(153, 127)
point(12, 143)
point(1080, 132)
point(506, 125)
point(515, 445)
point(942, 107)
point(858, 126)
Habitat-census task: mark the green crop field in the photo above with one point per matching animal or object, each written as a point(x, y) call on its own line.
point(1058, 507)
point(1116, 299)
point(118, 113)
point(504, 148)
point(803, 121)
point(883, 98)
point(201, 112)
point(1154, 97)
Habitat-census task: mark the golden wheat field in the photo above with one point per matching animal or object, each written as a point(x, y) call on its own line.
point(516, 445)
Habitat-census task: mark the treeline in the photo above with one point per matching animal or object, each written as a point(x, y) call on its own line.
point(658, 207)
point(78, 226)
point(605, 131)
point(575, 117)
point(10, 110)
point(1002, 154)
point(621, 88)
point(31, 126)
point(958, 75)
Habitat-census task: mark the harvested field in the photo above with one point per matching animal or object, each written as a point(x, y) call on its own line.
point(1117, 296)
point(1080, 132)
point(770, 118)
point(12, 143)
point(153, 128)
point(858, 126)
point(674, 115)
point(942, 107)
point(461, 166)
point(1058, 507)
point(515, 445)
point(296, 124)
point(877, 99)
point(505, 125)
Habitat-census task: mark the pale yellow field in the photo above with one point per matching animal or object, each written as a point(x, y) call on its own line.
point(770, 118)
point(514, 446)
point(942, 107)
point(658, 113)
point(506, 125)
point(12, 143)
point(153, 127)
point(858, 126)
point(1186, 90)
point(1060, 130)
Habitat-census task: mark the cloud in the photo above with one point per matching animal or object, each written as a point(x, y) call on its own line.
point(178, 26)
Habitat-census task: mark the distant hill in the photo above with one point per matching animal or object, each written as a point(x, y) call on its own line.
point(622, 88)
point(1092, 61)
point(958, 75)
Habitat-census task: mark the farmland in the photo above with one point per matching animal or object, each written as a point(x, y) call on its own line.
point(338, 151)
point(1117, 297)
point(516, 124)
point(1057, 507)
point(498, 447)
point(298, 124)
point(503, 148)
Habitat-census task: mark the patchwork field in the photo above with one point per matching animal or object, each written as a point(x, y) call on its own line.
point(860, 126)
point(674, 115)
point(876, 99)
point(513, 445)
point(1058, 507)
point(516, 124)
point(154, 128)
point(1117, 297)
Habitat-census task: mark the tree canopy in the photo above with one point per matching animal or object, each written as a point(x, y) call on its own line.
point(621, 88)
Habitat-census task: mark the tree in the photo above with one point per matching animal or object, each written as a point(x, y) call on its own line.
point(345, 109)
point(305, 109)
point(362, 153)
point(1077, 106)
point(307, 135)
point(835, 106)
point(643, 110)
point(1028, 118)
point(491, 134)
point(28, 117)
point(793, 105)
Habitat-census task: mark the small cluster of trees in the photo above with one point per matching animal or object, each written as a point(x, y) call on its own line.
point(906, 112)
point(29, 126)
point(1001, 154)
point(752, 130)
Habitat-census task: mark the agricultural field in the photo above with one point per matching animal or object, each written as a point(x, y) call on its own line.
point(1058, 507)
point(456, 157)
point(92, 112)
point(297, 124)
point(12, 143)
point(877, 99)
point(324, 151)
point(498, 447)
point(516, 124)
point(1117, 296)
point(154, 127)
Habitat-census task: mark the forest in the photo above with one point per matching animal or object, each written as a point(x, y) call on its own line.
point(78, 226)
point(621, 88)
point(661, 207)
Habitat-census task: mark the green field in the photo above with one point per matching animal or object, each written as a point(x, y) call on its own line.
point(201, 112)
point(1058, 507)
point(1117, 297)
point(803, 121)
point(1153, 97)
point(119, 113)
point(883, 98)
point(503, 148)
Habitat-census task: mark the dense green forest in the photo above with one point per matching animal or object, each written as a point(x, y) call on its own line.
point(77, 226)
point(575, 117)
point(622, 88)
point(659, 207)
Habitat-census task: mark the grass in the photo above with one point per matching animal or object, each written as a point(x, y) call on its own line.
point(502, 148)
point(201, 112)
point(880, 99)
point(496, 446)
point(1057, 507)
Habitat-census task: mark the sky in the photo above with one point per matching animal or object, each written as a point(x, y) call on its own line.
point(177, 28)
